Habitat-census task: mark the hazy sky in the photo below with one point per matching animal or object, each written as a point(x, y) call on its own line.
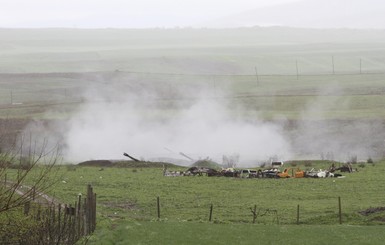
point(121, 13)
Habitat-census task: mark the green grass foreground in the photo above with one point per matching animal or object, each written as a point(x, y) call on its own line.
point(131, 232)
point(127, 206)
point(131, 193)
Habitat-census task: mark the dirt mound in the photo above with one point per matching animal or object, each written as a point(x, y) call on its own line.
point(96, 163)
point(370, 211)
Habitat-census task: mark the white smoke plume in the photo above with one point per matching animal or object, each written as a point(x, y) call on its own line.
point(158, 122)
point(148, 126)
point(318, 135)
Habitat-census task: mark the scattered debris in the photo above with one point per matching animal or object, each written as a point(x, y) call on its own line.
point(251, 173)
point(270, 173)
point(276, 164)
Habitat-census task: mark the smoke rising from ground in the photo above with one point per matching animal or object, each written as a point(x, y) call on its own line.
point(316, 135)
point(157, 122)
point(147, 126)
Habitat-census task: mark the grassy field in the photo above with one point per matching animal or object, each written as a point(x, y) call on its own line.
point(134, 232)
point(341, 97)
point(51, 69)
point(127, 209)
point(132, 193)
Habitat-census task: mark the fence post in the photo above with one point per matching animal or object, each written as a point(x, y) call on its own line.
point(48, 218)
point(59, 231)
point(298, 214)
point(339, 209)
point(38, 213)
point(254, 213)
point(360, 65)
point(33, 193)
point(158, 206)
point(276, 213)
point(27, 206)
point(85, 226)
point(78, 217)
point(256, 74)
point(71, 224)
point(211, 212)
point(66, 221)
point(94, 213)
point(88, 206)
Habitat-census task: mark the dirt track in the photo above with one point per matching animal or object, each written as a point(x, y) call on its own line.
point(37, 197)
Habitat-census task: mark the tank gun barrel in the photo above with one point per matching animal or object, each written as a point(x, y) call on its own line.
point(133, 158)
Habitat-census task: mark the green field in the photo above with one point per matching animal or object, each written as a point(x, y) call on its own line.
point(275, 76)
point(127, 206)
point(202, 233)
point(132, 193)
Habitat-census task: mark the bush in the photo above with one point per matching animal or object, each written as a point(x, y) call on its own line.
point(308, 164)
point(293, 164)
point(353, 159)
point(71, 167)
point(370, 160)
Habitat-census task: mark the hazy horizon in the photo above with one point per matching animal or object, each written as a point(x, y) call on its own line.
point(198, 14)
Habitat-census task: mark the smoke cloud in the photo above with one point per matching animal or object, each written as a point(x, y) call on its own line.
point(145, 124)
point(317, 135)
point(158, 122)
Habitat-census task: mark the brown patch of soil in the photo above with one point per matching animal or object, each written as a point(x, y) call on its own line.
point(370, 211)
point(97, 163)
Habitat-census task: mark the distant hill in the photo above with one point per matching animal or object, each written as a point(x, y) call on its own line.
point(312, 14)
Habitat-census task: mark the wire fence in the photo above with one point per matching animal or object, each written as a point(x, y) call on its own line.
point(56, 223)
point(74, 91)
point(168, 209)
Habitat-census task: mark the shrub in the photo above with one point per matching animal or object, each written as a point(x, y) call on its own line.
point(308, 164)
point(353, 159)
point(71, 167)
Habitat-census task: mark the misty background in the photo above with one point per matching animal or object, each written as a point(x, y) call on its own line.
point(197, 14)
point(155, 120)
point(262, 80)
